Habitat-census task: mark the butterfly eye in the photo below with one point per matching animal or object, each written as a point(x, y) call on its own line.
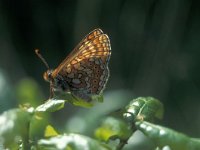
point(49, 75)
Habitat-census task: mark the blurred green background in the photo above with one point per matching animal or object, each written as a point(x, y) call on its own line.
point(155, 52)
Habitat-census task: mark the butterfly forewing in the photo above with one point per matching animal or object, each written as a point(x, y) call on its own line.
point(76, 50)
point(86, 69)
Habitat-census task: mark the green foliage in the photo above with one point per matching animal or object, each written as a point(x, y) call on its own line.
point(112, 128)
point(50, 106)
point(28, 128)
point(14, 127)
point(143, 108)
point(76, 101)
point(50, 131)
point(71, 142)
point(163, 136)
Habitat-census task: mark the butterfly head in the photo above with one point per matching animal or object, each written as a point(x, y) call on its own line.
point(48, 75)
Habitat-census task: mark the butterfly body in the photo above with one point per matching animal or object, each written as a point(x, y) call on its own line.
point(84, 72)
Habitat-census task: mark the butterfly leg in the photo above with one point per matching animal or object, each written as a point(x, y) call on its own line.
point(51, 91)
point(81, 95)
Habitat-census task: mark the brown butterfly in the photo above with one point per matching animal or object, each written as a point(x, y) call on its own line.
point(84, 72)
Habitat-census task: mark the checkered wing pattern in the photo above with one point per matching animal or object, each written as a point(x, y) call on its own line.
point(86, 68)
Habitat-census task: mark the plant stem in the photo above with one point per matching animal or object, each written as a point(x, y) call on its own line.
point(26, 144)
point(122, 144)
point(125, 141)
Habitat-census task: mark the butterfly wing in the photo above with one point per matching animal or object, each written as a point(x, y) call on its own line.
point(93, 34)
point(86, 69)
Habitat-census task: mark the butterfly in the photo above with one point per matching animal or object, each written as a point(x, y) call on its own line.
point(84, 72)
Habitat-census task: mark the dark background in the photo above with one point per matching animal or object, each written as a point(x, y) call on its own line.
point(155, 49)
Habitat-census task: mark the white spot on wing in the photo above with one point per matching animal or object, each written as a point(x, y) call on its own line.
point(79, 75)
point(71, 75)
point(97, 62)
point(76, 81)
point(91, 59)
point(102, 78)
point(86, 79)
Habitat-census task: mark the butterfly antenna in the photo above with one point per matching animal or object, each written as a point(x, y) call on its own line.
point(42, 58)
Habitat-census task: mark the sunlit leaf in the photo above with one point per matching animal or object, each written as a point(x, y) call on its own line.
point(143, 108)
point(50, 131)
point(50, 106)
point(163, 136)
point(80, 102)
point(71, 142)
point(98, 98)
point(112, 127)
point(14, 127)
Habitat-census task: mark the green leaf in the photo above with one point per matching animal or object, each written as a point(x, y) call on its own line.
point(163, 136)
point(112, 127)
point(50, 106)
point(71, 142)
point(14, 127)
point(98, 98)
point(79, 101)
point(50, 131)
point(143, 108)
point(38, 125)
